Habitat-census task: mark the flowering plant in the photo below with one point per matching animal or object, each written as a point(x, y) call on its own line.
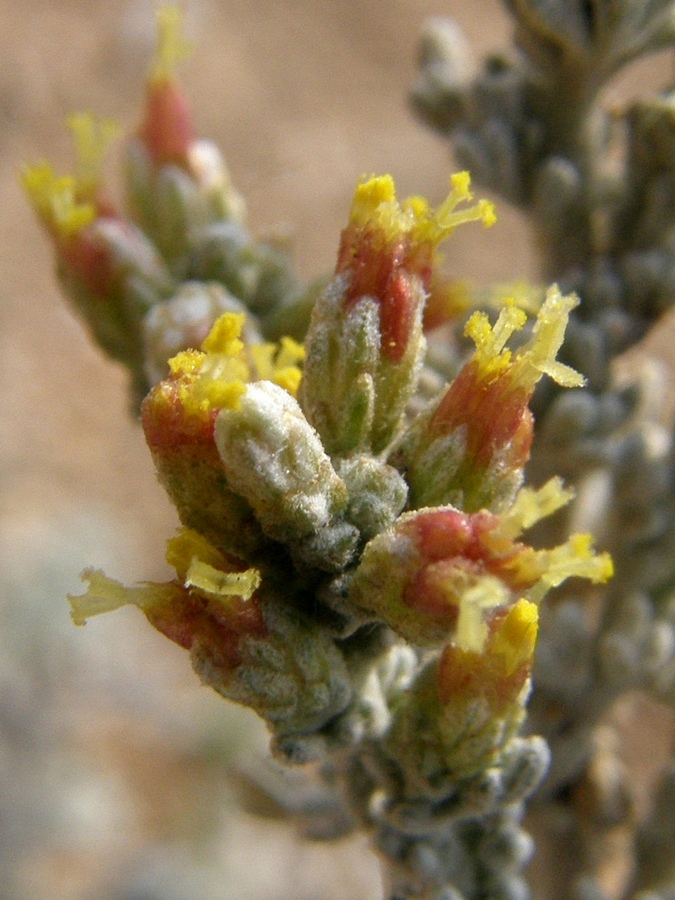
point(354, 560)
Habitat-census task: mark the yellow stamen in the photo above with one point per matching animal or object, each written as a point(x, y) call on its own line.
point(106, 595)
point(574, 558)
point(92, 138)
point(530, 506)
point(187, 362)
point(486, 593)
point(375, 203)
point(185, 546)
point(516, 636)
point(199, 565)
point(279, 364)
point(538, 355)
point(172, 48)
point(218, 585)
point(55, 200)
point(225, 334)
point(216, 376)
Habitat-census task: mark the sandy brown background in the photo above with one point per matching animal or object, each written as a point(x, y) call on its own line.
point(113, 762)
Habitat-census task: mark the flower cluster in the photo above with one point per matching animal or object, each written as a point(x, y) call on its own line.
point(332, 512)
point(354, 570)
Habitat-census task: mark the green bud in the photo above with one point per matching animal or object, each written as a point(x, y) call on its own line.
point(294, 676)
point(377, 493)
point(184, 321)
point(172, 203)
point(274, 458)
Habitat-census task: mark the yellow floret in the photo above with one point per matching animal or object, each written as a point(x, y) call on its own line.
point(574, 558)
point(279, 363)
point(106, 595)
point(55, 200)
point(491, 353)
point(201, 566)
point(187, 545)
point(92, 138)
point(187, 362)
point(486, 593)
point(531, 505)
point(225, 335)
point(216, 584)
point(375, 203)
point(172, 47)
point(516, 636)
point(537, 356)
point(216, 376)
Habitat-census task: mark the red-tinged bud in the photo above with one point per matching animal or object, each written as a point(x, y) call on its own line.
point(207, 610)
point(440, 573)
point(470, 448)
point(499, 671)
point(179, 428)
point(434, 572)
point(178, 418)
point(167, 130)
point(467, 704)
point(193, 622)
point(177, 183)
point(106, 265)
point(365, 343)
point(388, 246)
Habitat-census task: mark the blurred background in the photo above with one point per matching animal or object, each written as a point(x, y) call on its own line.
point(115, 765)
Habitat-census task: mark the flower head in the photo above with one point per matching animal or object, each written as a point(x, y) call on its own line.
point(107, 267)
point(179, 417)
point(167, 130)
point(466, 704)
point(470, 448)
point(67, 204)
point(365, 344)
point(388, 243)
point(442, 572)
point(500, 667)
point(210, 606)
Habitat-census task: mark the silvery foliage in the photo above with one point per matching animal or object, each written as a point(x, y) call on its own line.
point(599, 188)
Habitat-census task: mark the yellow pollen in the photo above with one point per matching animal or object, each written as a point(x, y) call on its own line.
point(279, 364)
point(574, 558)
point(215, 377)
point(225, 334)
point(201, 566)
point(187, 362)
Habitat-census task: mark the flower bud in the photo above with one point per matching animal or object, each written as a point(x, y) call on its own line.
point(176, 182)
point(256, 272)
point(294, 676)
point(365, 344)
point(106, 266)
point(437, 572)
point(465, 707)
point(274, 458)
point(244, 644)
point(179, 416)
point(184, 321)
point(470, 448)
point(377, 493)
